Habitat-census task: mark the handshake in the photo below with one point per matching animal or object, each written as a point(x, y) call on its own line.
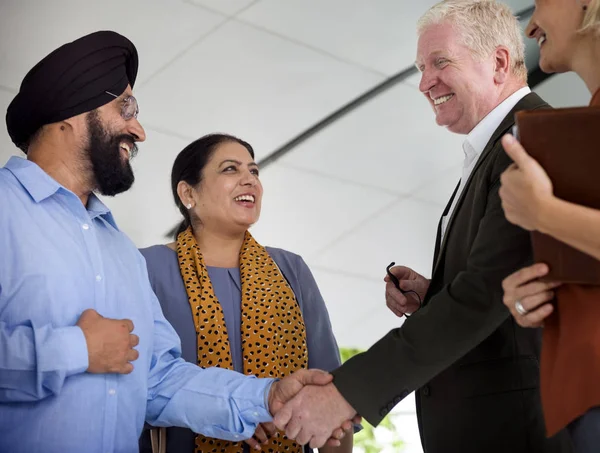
point(305, 404)
point(309, 408)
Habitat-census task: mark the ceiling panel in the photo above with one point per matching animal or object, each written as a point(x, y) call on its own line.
point(350, 301)
point(228, 7)
point(304, 212)
point(252, 84)
point(405, 233)
point(377, 34)
point(160, 29)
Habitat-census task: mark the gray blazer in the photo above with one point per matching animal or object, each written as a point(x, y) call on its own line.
point(166, 281)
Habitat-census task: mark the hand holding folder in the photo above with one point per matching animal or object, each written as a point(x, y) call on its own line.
point(566, 143)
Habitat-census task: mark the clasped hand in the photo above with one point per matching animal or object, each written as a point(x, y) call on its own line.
point(310, 409)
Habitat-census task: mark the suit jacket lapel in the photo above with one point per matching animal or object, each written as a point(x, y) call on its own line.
point(438, 239)
point(530, 101)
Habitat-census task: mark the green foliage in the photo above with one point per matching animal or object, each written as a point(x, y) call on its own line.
point(347, 353)
point(366, 439)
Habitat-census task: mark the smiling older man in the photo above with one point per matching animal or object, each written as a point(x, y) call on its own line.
point(475, 371)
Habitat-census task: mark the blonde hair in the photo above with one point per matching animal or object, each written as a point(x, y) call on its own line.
point(591, 18)
point(484, 25)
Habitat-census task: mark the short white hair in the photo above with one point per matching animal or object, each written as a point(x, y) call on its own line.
point(591, 19)
point(484, 25)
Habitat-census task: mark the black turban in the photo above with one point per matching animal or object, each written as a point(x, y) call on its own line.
point(72, 80)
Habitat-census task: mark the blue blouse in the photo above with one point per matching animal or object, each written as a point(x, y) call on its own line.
point(165, 278)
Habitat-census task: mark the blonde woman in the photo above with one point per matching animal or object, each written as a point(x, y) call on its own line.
point(568, 32)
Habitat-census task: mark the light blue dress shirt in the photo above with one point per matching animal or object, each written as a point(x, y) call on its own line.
point(57, 259)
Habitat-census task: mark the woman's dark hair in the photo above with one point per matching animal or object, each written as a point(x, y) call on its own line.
point(190, 163)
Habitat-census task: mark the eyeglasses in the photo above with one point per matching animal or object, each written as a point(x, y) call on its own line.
point(130, 108)
point(396, 283)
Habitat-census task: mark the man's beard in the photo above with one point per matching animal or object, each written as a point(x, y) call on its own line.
point(111, 174)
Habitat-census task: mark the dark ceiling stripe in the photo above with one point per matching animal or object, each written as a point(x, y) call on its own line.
point(341, 112)
point(526, 12)
point(366, 97)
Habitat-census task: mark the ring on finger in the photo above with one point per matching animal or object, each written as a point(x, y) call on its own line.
point(520, 308)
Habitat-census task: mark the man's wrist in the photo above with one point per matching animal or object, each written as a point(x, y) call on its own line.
point(269, 390)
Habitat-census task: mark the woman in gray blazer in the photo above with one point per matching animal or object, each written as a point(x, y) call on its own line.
point(234, 303)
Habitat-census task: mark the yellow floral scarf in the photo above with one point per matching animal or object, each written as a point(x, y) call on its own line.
point(273, 331)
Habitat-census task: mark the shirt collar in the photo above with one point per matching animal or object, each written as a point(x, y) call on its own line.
point(96, 208)
point(478, 138)
point(40, 186)
point(36, 181)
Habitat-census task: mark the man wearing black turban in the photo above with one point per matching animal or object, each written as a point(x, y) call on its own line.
point(86, 75)
point(73, 288)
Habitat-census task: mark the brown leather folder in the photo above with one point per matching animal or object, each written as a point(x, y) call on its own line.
point(566, 142)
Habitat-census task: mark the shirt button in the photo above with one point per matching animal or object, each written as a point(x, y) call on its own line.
point(98, 278)
point(85, 226)
point(111, 392)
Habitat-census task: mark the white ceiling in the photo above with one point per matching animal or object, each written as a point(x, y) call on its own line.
point(365, 191)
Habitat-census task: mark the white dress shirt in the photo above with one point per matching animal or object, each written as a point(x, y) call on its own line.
point(476, 141)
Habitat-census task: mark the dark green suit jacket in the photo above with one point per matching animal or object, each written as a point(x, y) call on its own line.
point(475, 371)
